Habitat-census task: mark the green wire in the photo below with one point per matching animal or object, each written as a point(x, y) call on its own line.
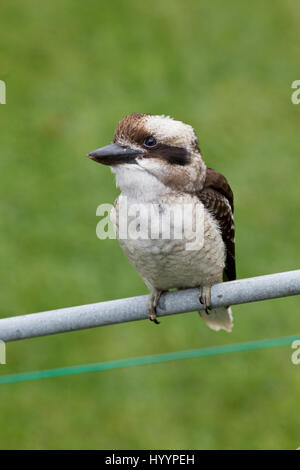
point(158, 358)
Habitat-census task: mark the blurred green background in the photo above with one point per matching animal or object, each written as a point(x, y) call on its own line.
point(73, 70)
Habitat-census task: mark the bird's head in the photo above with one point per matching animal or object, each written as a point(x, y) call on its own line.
point(153, 147)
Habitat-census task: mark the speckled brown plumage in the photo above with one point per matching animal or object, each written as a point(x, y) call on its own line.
point(217, 197)
point(131, 129)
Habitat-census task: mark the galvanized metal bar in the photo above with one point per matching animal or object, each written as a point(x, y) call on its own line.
point(125, 310)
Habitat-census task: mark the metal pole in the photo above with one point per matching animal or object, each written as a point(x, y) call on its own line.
point(124, 310)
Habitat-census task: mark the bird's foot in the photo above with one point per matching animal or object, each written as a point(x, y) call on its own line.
point(205, 297)
point(152, 305)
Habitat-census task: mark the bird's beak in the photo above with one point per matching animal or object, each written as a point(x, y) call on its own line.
point(114, 154)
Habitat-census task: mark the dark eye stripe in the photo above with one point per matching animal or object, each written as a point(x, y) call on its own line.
point(173, 155)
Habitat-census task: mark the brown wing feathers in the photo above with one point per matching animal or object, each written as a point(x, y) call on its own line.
point(217, 197)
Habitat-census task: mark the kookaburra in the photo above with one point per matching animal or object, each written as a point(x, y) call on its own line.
point(157, 161)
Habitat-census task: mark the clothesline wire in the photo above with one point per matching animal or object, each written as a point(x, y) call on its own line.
point(147, 360)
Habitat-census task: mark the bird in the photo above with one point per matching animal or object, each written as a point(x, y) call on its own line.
point(157, 161)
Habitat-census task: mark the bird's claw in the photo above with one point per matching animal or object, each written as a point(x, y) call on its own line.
point(152, 317)
point(205, 298)
point(152, 304)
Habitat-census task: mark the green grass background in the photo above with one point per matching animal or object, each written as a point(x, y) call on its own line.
point(72, 70)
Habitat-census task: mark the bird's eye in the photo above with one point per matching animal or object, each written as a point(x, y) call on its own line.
point(150, 142)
